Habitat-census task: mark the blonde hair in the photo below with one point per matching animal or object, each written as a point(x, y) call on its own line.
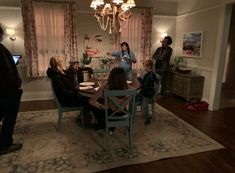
point(56, 63)
point(53, 63)
point(148, 63)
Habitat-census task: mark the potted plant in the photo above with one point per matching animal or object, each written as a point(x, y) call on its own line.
point(86, 59)
point(177, 60)
point(105, 62)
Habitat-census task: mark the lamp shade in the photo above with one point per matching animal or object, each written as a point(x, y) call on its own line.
point(10, 31)
point(130, 3)
point(117, 1)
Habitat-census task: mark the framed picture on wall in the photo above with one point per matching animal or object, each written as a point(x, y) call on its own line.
point(192, 44)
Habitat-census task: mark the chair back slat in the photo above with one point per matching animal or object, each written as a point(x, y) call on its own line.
point(126, 106)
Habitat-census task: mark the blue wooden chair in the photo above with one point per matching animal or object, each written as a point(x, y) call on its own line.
point(127, 107)
point(153, 100)
point(62, 109)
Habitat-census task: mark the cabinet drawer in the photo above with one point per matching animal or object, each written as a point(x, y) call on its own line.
point(186, 86)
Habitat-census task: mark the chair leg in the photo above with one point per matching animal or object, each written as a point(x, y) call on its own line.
point(130, 137)
point(106, 137)
point(82, 118)
point(59, 119)
point(153, 111)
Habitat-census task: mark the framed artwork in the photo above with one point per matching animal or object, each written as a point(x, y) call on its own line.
point(192, 44)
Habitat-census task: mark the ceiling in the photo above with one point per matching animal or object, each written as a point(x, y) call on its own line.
point(149, 2)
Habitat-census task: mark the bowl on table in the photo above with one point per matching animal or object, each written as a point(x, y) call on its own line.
point(183, 70)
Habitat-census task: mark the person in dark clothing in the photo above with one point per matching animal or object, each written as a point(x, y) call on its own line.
point(75, 73)
point(10, 96)
point(147, 85)
point(63, 86)
point(162, 58)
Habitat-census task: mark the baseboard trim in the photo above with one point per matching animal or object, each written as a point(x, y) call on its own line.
point(32, 96)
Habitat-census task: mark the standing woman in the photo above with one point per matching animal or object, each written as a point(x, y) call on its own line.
point(126, 58)
point(162, 58)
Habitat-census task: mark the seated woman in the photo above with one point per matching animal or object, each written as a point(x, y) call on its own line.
point(116, 81)
point(63, 86)
point(75, 73)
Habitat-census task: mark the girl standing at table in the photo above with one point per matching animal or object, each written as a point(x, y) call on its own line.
point(126, 58)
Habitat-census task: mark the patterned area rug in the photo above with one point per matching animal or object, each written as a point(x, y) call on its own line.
point(73, 149)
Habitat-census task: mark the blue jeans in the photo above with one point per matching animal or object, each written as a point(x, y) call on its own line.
point(144, 105)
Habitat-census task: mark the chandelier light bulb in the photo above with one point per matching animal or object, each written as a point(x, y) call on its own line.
point(114, 15)
point(117, 1)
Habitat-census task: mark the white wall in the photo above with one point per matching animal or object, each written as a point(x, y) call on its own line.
point(207, 22)
point(212, 18)
point(163, 24)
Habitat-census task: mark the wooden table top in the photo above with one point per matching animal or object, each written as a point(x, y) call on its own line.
point(90, 91)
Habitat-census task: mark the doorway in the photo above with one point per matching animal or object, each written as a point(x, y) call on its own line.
point(227, 99)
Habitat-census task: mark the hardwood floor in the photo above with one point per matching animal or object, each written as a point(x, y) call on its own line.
point(219, 125)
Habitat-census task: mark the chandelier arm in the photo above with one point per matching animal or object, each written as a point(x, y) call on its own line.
point(110, 27)
point(117, 14)
point(123, 24)
point(100, 23)
point(107, 24)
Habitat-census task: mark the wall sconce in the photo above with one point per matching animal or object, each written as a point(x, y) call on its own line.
point(163, 35)
point(11, 33)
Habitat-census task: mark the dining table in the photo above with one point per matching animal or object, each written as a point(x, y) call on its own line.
point(88, 88)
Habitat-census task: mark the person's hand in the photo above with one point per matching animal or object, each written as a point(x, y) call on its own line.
point(138, 75)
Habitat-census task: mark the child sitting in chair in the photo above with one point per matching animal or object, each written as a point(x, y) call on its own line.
point(148, 83)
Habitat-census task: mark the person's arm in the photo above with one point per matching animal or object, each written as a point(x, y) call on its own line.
point(116, 54)
point(167, 54)
point(166, 59)
point(133, 59)
point(155, 55)
point(141, 80)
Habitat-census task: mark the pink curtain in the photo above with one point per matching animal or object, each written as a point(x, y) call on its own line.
point(49, 21)
point(146, 16)
point(70, 34)
point(51, 32)
point(30, 42)
point(138, 34)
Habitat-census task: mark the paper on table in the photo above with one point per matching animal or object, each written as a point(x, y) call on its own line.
point(87, 83)
point(97, 88)
point(85, 87)
point(129, 82)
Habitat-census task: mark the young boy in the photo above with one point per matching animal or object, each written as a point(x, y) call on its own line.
point(147, 91)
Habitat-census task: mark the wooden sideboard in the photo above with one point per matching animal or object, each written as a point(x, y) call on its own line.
point(187, 86)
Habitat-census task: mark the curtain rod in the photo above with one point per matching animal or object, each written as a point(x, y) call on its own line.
point(48, 1)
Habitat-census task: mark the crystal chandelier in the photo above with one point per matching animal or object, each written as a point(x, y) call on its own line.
point(113, 15)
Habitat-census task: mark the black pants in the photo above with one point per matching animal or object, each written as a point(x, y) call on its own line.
point(9, 107)
point(163, 75)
